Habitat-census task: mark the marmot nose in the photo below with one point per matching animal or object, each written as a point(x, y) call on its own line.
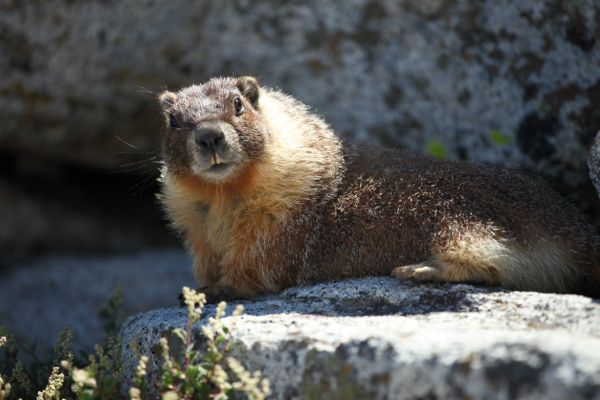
point(209, 139)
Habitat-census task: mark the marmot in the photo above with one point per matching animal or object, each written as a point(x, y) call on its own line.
point(267, 197)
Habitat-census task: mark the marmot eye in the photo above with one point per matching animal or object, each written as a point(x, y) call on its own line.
point(239, 106)
point(173, 122)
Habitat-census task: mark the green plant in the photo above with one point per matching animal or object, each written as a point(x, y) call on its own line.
point(4, 386)
point(500, 138)
point(99, 378)
point(54, 386)
point(208, 374)
point(60, 374)
point(111, 312)
point(200, 373)
point(436, 149)
point(30, 377)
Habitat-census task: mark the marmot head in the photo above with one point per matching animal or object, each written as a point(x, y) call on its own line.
point(214, 130)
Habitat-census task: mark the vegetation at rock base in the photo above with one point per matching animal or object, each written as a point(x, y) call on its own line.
point(207, 373)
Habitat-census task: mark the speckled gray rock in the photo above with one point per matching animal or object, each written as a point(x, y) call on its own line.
point(594, 163)
point(515, 82)
point(382, 339)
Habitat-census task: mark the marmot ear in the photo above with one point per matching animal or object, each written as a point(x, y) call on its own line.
point(167, 99)
point(248, 86)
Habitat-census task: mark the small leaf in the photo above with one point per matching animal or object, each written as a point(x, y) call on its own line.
point(436, 149)
point(192, 372)
point(87, 394)
point(180, 333)
point(499, 138)
point(167, 379)
point(220, 340)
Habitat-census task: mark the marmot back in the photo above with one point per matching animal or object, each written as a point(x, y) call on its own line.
point(266, 197)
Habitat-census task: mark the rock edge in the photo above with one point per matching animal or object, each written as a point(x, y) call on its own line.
point(380, 338)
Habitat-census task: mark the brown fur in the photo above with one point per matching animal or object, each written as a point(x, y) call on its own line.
point(300, 207)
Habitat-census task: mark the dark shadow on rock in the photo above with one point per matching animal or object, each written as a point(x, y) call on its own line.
point(374, 296)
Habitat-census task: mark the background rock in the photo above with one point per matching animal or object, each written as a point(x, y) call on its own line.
point(514, 82)
point(40, 299)
point(379, 338)
point(77, 215)
point(594, 163)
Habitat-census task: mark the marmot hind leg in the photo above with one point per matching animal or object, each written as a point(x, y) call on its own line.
point(470, 258)
point(542, 265)
point(436, 270)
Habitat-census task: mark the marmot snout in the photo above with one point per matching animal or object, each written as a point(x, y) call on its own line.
point(266, 197)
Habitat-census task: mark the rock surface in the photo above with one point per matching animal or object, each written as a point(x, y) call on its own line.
point(39, 299)
point(502, 81)
point(594, 163)
point(379, 338)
